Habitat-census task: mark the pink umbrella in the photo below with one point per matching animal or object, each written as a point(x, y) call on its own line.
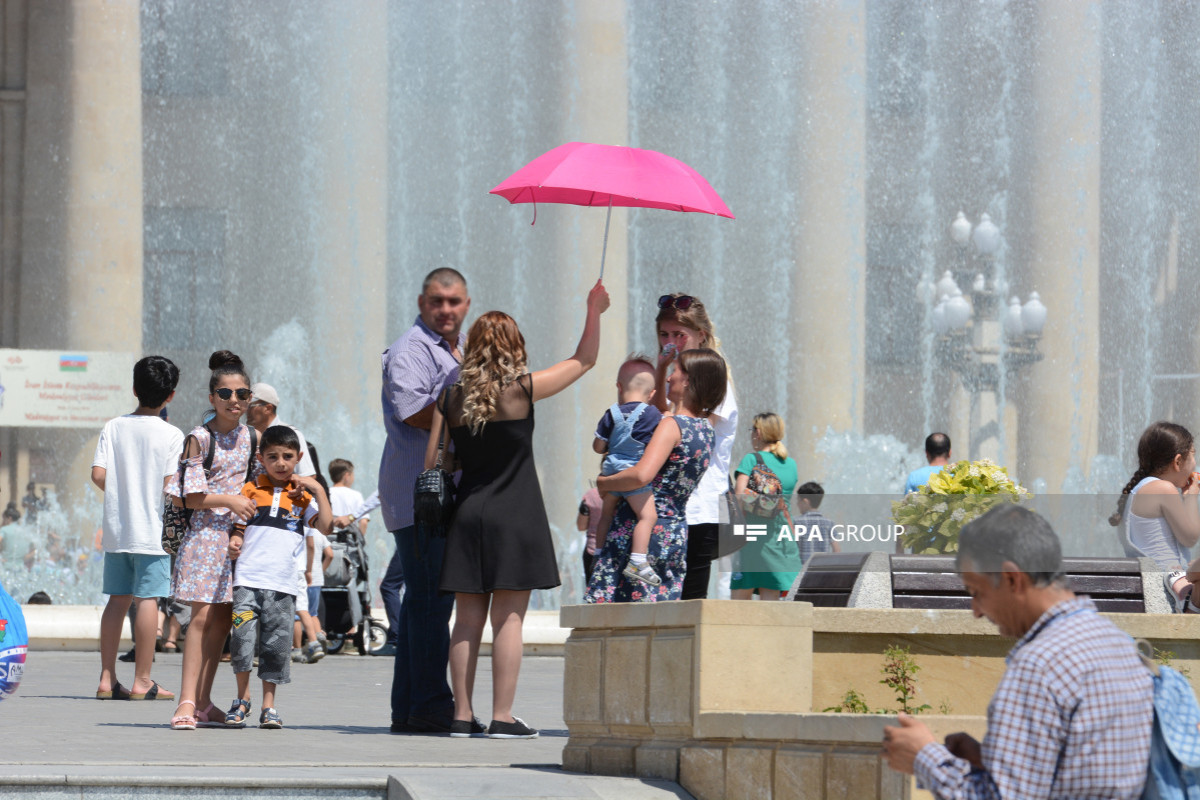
point(608, 175)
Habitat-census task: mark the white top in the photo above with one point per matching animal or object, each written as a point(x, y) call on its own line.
point(273, 547)
point(704, 506)
point(320, 542)
point(136, 452)
point(1153, 537)
point(344, 501)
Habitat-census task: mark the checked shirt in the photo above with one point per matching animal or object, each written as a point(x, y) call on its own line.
point(1071, 717)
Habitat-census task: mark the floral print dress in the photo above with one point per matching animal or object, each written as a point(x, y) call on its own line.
point(202, 568)
point(668, 541)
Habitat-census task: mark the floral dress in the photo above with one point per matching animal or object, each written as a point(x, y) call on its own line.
point(202, 568)
point(668, 541)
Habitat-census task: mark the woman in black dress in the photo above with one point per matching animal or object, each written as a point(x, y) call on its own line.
point(498, 547)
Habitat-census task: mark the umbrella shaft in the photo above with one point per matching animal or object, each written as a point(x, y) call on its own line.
point(604, 249)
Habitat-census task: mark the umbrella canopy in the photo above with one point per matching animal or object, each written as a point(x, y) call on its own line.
point(584, 174)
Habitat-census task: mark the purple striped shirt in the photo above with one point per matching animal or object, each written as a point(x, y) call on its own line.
point(416, 368)
point(1070, 719)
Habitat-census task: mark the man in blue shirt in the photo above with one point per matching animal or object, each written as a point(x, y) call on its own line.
point(937, 453)
point(416, 368)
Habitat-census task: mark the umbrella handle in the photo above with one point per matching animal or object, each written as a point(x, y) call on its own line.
point(604, 249)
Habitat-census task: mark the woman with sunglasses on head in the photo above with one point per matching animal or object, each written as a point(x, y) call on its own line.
point(203, 576)
point(683, 324)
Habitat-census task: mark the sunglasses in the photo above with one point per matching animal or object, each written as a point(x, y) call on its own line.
point(225, 393)
point(681, 303)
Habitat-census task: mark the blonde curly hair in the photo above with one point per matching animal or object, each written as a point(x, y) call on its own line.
point(494, 357)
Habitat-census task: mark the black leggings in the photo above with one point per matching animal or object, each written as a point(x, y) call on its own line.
point(701, 552)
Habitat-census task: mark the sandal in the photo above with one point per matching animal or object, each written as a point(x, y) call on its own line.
point(237, 713)
point(155, 692)
point(118, 692)
point(184, 722)
point(170, 647)
point(269, 718)
point(211, 717)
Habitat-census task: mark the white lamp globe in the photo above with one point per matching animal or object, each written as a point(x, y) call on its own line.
point(1012, 319)
point(1033, 315)
point(946, 287)
point(960, 230)
point(958, 311)
point(939, 317)
point(986, 236)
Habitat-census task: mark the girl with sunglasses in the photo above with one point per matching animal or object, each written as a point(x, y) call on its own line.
point(203, 576)
point(683, 324)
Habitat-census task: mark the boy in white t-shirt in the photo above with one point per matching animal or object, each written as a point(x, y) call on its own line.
point(135, 457)
point(264, 582)
point(344, 498)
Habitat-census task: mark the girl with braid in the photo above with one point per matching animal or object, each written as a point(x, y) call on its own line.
point(1159, 507)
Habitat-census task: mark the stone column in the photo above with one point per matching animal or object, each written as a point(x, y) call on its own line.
point(831, 248)
point(1059, 411)
point(602, 77)
point(350, 318)
point(81, 247)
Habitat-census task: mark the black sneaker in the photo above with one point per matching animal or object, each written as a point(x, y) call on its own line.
point(430, 723)
point(517, 729)
point(467, 729)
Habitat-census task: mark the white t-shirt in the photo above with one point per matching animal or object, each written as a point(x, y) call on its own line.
point(320, 542)
point(704, 506)
point(136, 452)
point(274, 542)
point(344, 500)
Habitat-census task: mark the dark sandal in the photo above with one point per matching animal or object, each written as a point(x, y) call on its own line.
point(118, 692)
point(236, 717)
point(154, 694)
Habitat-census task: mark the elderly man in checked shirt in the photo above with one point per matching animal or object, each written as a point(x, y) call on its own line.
point(1072, 715)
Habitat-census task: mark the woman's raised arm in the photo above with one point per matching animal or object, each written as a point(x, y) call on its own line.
point(666, 437)
point(549, 382)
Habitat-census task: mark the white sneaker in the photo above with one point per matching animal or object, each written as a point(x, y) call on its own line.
point(645, 574)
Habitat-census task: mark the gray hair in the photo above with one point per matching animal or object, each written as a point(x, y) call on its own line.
point(443, 276)
point(1012, 533)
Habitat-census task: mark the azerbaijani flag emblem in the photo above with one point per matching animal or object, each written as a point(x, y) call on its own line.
point(72, 363)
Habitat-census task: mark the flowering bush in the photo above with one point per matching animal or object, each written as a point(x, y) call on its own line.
point(962, 491)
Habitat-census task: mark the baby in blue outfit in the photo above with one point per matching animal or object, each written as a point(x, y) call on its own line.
point(622, 435)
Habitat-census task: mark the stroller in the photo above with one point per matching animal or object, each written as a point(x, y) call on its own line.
point(347, 596)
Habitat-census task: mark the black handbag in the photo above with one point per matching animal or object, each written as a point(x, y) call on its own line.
point(176, 518)
point(433, 494)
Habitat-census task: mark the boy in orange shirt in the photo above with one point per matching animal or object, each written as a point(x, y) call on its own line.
point(264, 586)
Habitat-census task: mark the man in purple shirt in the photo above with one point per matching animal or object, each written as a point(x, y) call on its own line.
point(1072, 715)
point(416, 368)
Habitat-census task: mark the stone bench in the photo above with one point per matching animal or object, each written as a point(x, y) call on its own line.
point(882, 580)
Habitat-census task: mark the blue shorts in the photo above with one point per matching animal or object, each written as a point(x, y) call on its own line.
point(138, 574)
point(314, 599)
point(614, 463)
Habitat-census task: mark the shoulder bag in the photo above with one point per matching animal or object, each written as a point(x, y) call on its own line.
point(176, 518)
point(433, 494)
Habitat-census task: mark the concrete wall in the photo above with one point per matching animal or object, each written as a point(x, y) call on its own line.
point(726, 697)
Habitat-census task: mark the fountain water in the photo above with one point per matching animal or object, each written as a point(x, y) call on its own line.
point(303, 171)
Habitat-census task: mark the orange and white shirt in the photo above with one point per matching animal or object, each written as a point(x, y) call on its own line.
point(274, 537)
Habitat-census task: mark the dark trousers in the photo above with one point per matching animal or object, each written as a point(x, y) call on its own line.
point(389, 592)
point(419, 684)
point(701, 551)
point(588, 561)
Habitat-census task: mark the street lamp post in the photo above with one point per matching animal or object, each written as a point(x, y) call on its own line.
point(980, 338)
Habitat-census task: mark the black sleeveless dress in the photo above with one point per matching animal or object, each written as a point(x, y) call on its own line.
point(499, 537)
